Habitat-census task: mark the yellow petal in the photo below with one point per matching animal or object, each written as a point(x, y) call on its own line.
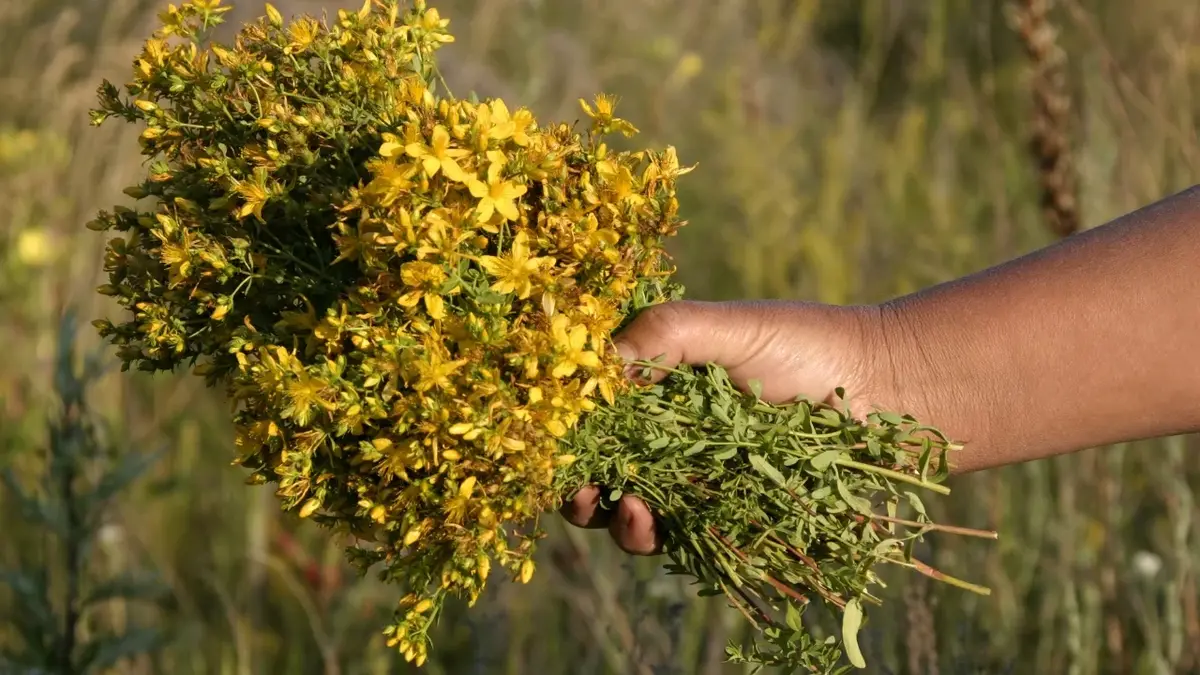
point(507, 208)
point(431, 165)
point(492, 264)
point(486, 208)
point(578, 338)
point(557, 428)
point(467, 487)
point(453, 171)
point(435, 306)
point(440, 137)
point(389, 149)
point(606, 390)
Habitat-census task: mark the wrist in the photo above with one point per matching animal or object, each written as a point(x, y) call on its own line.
point(921, 366)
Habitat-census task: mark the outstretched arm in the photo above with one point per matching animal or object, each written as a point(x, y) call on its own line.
point(1094, 340)
point(1091, 341)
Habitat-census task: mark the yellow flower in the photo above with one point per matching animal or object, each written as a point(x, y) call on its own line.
point(438, 154)
point(433, 371)
point(391, 181)
point(302, 32)
point(255, 194)
point(456, 507)
point(425, 280)
point(602, 115)
point(515, 273)
point(496, 195)
point(35, 248)
point(512, 126)
point(571, 340)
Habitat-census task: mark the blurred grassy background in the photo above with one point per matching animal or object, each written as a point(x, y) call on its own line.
point(848, 151)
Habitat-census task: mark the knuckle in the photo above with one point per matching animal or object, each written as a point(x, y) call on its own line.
point(671, 321)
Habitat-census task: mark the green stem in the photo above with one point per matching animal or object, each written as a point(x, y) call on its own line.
point(941, 576)
point(893, 475)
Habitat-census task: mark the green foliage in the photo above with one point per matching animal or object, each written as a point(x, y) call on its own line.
point(55, 589)
point(770, 506)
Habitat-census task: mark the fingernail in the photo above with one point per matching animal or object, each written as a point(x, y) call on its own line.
point(628, 354)
point(625, 351)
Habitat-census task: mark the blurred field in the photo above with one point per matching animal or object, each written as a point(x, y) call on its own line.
point(848, 152)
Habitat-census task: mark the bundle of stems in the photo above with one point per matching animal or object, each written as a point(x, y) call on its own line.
point(772, 506)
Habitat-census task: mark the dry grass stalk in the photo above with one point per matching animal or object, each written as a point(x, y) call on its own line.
point(1050, 140)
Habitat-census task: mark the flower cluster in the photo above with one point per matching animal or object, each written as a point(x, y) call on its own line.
point(409, 297)
point(410, 300)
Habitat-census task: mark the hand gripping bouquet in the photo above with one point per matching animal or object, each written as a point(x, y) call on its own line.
point(410, 300)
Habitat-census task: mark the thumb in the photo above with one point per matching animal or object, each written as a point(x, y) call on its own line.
point(692, 333)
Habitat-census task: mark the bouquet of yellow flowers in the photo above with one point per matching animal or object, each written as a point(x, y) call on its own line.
point(410, 300)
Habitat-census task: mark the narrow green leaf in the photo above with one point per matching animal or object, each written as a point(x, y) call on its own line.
point(851, 622)
point(764, 467)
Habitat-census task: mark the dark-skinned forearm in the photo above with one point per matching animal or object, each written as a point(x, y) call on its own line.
point(1091, 341)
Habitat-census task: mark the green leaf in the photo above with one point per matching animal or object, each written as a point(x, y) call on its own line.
point(825, 459)
point(915, 502)
point(725, 454)
point(764, 467)
point(128, 587)
point(124, 471)
point(793, 617)
point(855, 502)
point(45, 513)
point(37, 623)
point(851, 622)
point(890, 418)
point(104, 653)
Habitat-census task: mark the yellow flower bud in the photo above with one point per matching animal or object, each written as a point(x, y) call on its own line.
point(310, 507)
point(274, 16)
point(526, 571)
point(379, 513)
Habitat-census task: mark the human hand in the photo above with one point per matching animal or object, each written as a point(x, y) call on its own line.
point(792, 348)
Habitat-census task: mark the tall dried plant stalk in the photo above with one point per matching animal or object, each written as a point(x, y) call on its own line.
point(1050, 140)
